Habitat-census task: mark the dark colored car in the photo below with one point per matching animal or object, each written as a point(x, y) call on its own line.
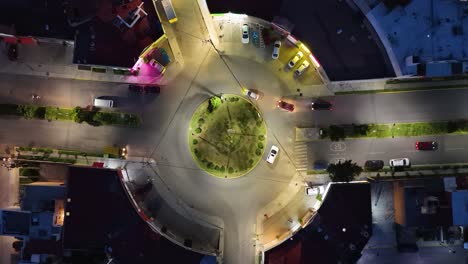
point(373, 165)
point(320, 165)
point(152, 89)
point(321, 105)
point(285, 106)
point(426, 145)
point(135, 88)
point(144, 89)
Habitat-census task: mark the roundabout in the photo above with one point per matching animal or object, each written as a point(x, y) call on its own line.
point(227, 136)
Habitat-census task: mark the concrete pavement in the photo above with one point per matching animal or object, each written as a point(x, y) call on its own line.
point(9, 195)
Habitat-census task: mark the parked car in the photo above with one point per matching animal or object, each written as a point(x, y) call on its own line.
point(245, 34)
point(320, 165)
point(314, 190)
point(294, 60)
point(401, 163)
point(135, 88)
point(285, 106)
point(272, 155)
point(426, 145)
point(305, 64)
point(251, 94)
point(321, 105)
point(276, 50)
point(144, 89)
point(152, 89)
point(373, 165)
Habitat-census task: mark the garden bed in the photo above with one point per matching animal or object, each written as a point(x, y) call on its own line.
point(227, 137)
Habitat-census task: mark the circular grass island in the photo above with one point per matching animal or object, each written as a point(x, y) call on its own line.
point(227, 136)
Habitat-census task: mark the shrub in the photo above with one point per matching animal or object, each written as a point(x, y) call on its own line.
point(201, 121)
point(29, 171)
point(198, 130)
point(261, 137)
point(32, 111)
point(222, 169)
point(216, 167)
point(258, 152)
point(194, 141)
point(213, 103)
point(336, 133)
point(251, 161)
point(452, 126)
point(260, 145)
point(230, 170)
point(210, 165)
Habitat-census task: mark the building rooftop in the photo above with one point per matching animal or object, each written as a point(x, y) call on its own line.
point(41, 196)
point(15, 222)
point(42, 18)
point(116, 33)
point(339, 231)
point(104, 216)
point(460, 207)
point(422, 203)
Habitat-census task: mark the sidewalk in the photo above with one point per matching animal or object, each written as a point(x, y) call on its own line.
point(55, 60)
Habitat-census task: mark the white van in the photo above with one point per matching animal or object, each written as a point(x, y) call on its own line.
point(103, 103)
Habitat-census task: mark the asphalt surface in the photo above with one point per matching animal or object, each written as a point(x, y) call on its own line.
point(451, 149)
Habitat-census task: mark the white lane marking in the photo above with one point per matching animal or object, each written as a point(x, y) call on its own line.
point(451, 149)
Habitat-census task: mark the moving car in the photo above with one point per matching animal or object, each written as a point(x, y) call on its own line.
point(314, 190)
point(401, 162)
point(294, 60)
point(320, 165)
point(251, 94)
point(426, 145)
point(276, 50)
point(245, 34)
point(305, 64)
point(321, 105)
point(285, 106)
point(272, 155)
point(373, 165)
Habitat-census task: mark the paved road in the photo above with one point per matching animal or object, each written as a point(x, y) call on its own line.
point(451, 149)
point(389, 108)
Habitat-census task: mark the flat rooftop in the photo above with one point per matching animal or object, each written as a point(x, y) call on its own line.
point(349, 55)
point(101, 214)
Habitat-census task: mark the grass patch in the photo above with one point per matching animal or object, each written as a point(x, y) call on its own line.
point(405, 89)
point(45, 158)
point(397, 130)
point(227, 137)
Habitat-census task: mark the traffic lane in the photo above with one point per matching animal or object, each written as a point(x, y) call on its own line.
point(451, 149)
point(66, 93)
point(390, 108)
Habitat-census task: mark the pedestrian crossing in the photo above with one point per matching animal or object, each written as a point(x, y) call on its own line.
point(300, 156)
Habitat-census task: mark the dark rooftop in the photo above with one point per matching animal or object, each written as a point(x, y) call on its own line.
point(410, 196)
point(106, 40)
point(323, 240)
point(348, 55)
point(101, 214)
point(15, 222)
point(37, 197)
point(43, 18)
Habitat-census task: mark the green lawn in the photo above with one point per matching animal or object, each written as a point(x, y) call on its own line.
point(229, 141)
point(402, 129)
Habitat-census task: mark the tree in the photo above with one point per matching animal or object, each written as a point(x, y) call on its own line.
point(213, 103)
point(336, 133)
point(343, 172)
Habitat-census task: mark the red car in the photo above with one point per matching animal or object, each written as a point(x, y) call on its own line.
point(426, 145)
point(285, 106)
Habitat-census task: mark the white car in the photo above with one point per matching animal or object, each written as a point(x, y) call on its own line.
point(245, 34)
point(314, 190)
point(302, 68)
point(276, 50)
point(251, 94)
point(294, 60)
point(401, 162)
point(272, 155)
